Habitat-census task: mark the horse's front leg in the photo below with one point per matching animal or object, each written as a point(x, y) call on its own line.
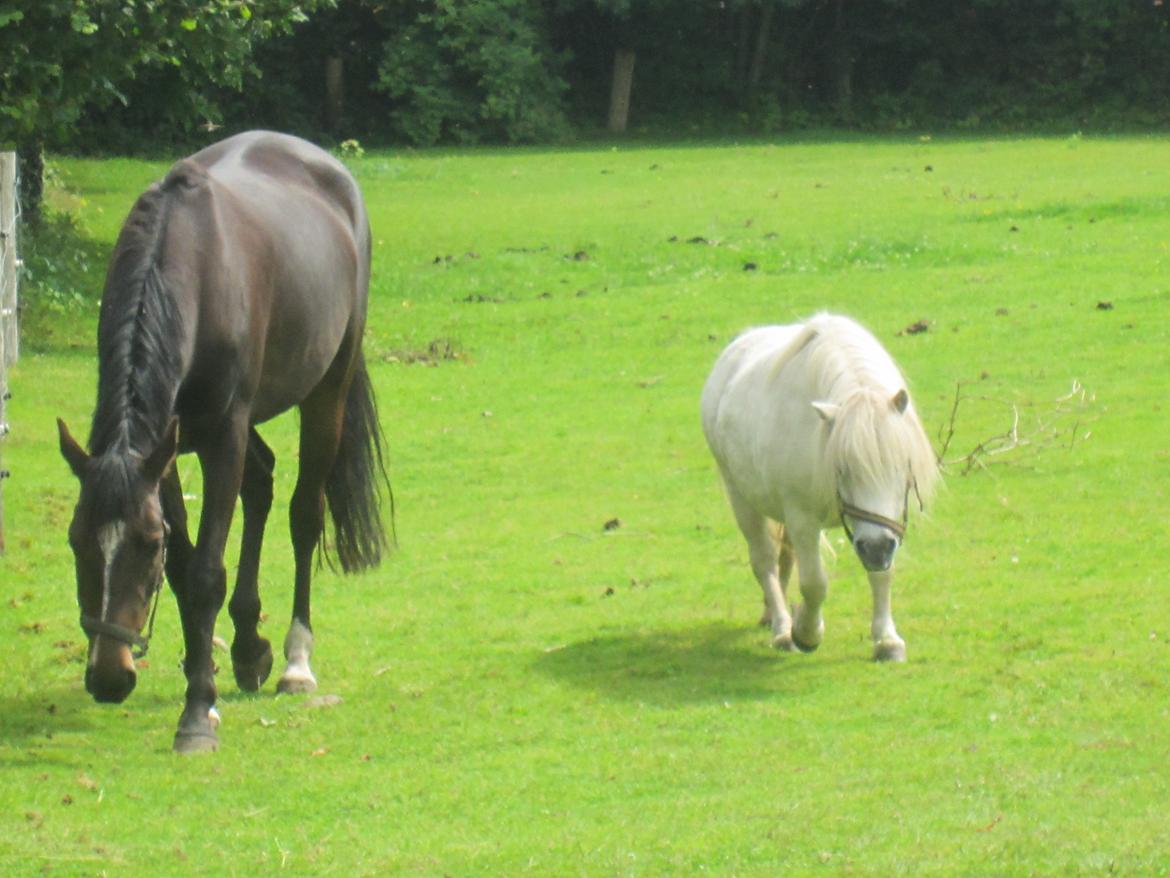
point(251, 653)
point(887, 645)
point(808, 626)
point(205, 586)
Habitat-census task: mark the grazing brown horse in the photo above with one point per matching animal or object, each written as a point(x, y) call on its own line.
point(237, 290)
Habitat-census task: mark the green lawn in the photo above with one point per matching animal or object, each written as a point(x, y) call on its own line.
point(524, 692)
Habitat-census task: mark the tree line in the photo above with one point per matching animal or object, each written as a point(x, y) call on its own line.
point(143, 75)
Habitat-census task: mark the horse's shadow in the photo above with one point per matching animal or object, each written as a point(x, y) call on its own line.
point(711, 662)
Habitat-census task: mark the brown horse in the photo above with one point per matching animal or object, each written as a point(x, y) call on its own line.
point(237, 290)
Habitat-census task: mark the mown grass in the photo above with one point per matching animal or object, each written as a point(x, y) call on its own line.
point(525, 692)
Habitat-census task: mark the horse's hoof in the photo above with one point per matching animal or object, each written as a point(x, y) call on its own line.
point(804, 647)
point(251, 672)
point(889, 651)
point(296, 683)
point(196, 740)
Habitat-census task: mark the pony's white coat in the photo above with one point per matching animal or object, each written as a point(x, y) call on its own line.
point(801, 419)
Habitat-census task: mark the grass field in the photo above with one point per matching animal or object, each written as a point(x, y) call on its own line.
point(525, 692)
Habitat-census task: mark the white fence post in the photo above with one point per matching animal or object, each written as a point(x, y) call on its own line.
point(9, 279)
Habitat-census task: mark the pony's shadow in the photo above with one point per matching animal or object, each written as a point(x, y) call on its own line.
point(711, 662)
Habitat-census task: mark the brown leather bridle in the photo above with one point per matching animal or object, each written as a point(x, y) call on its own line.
point(859, 514)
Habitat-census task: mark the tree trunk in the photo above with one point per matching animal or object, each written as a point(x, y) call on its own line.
point(623, 84)
point(841, 62)
point(334, 92)
point(760, 52)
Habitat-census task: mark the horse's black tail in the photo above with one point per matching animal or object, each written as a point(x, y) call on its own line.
point(353, 488)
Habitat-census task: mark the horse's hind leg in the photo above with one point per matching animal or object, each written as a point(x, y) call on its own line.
point(321, 420)
point(251, 653)
point(887, 645)
point(764, 553)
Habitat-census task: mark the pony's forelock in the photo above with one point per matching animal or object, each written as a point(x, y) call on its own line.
point(868, 438)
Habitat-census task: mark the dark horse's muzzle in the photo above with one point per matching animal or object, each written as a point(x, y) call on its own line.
point(110, 685)
point(110, 676)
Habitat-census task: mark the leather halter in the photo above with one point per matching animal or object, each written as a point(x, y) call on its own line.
point(856, 512)
point(859, 514)
point(138, 642)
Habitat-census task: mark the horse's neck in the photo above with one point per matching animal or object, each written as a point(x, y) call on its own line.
point(138, 380)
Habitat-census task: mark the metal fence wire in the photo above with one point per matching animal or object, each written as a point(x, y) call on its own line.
point(10, 265)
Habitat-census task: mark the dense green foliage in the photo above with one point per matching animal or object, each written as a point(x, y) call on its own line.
point(525, 692)
point(60, 58)
point(150, 73)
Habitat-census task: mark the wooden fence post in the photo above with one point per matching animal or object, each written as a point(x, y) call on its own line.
point(9, 276)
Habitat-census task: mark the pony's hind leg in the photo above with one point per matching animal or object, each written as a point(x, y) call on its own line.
point(770, 566)
point(251, 653)
point(887, 645)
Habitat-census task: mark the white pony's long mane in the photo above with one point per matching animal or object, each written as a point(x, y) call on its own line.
point(868, 438)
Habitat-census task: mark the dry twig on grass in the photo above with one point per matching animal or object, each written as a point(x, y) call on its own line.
point(1034, 427)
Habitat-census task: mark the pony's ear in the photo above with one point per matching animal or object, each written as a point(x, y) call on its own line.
point(71, 450)
point(160, 460)
point(827, 410)
point(900, 401)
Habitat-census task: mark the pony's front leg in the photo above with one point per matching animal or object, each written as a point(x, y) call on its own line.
point(808, 626)
point(205, 587)
point(887, 645)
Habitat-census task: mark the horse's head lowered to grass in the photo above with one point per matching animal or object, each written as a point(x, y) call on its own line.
point(118, 536)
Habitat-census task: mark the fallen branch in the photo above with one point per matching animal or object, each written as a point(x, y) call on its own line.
point(1051, 425)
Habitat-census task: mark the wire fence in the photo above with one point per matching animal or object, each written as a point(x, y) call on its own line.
point(10, 266)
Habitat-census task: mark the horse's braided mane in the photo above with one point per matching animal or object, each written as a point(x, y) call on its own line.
point(138, 363)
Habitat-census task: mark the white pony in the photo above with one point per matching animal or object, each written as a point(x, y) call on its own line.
point(812, 427)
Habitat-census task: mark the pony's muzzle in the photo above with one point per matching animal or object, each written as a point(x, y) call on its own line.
point(876, 552)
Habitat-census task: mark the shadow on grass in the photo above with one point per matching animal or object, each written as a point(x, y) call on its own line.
point(33, 724)
point(709, 662)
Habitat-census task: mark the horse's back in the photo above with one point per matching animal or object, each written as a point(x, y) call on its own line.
point(284, 161)
point(269, 249)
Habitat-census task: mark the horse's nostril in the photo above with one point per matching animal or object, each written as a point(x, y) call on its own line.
point(110, 687)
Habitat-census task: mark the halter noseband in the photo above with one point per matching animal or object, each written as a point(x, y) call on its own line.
point(856, 512)
point(898, 527)
point(138, 642)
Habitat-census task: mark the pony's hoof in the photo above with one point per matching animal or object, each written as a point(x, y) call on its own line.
point(252, 671)
point(804, 647)
point(296, 683)
point(784, 642)
point(889, 651)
